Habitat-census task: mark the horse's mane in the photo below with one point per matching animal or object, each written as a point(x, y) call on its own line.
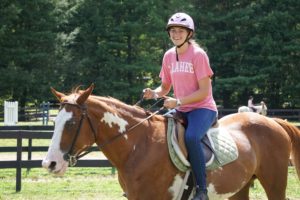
point(113, 102)
point(76, 90)
point(120, 105)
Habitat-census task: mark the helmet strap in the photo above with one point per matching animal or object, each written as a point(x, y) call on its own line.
point(176, 55)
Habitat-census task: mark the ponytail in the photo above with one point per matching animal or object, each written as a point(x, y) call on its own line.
point(194, 43)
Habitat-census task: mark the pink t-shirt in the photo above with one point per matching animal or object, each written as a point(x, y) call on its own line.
point(184, 75)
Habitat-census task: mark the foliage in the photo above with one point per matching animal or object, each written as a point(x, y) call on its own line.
point(118, 45)
point(27, 49)
point(254, 50)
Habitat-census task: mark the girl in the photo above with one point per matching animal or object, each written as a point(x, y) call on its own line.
point(186, 68)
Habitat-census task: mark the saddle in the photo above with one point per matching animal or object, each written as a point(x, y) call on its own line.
point(219, 147)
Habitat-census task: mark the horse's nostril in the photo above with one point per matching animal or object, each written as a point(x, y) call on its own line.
point(52, 165)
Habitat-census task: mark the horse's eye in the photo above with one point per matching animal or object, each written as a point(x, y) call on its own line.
point(70, 123)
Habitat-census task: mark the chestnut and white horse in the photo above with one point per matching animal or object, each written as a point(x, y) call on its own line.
point(138, 148)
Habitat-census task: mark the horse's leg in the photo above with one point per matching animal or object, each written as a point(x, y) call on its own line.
point(274, 180)
point(243, 194)
point(122, 184)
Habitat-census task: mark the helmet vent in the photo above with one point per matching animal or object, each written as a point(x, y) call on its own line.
point(181, 20)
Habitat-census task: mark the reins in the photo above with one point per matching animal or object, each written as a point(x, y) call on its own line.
point(72, 159)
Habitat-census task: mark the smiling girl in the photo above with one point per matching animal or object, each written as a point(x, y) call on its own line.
point(186, 68)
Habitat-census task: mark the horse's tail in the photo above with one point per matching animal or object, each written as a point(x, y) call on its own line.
point(294, 134)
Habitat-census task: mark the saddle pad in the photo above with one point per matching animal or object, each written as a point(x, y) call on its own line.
point(177, 159)
point(224, 146)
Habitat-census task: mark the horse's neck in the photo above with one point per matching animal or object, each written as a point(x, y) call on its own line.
point(115, 123)
point(133, 145)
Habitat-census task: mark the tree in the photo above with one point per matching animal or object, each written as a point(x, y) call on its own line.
point(116, 44)
point(253, 47)
point(27, 45)
point(251, 51)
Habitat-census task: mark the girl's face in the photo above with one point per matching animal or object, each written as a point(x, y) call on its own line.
point(178, 35)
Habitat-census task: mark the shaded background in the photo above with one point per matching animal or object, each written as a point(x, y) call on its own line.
point(253, 48)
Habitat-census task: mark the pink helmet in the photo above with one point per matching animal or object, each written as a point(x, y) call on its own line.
point(182, 20)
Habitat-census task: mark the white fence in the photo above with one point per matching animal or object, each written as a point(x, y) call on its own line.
point(10, 113)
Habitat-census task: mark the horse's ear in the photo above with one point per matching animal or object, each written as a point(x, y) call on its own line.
point(58, 95)
point(83, 97)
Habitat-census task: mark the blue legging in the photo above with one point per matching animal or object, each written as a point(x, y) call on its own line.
point(199, 121)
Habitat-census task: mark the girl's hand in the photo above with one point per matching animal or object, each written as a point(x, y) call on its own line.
point(170, 103)
point(150, 94)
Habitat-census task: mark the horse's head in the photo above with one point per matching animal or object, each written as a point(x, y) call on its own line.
point(68, 141)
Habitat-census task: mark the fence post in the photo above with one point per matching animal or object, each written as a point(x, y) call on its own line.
point(113, 170)
point(29, 153)
point(10, 113)
point(45, 110)
point(19, 163)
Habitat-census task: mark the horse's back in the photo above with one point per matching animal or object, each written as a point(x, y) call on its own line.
point(245, 166)
point(254, 125)
point(263, 148)
point(258, 135)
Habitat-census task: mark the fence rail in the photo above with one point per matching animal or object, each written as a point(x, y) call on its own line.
point(30, 133)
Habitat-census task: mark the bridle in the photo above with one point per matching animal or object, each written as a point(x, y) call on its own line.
point(69, 157)
point(72, 158)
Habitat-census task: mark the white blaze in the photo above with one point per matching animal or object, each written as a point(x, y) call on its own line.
point(60, 121)
point(111, 119)
point(54, 153)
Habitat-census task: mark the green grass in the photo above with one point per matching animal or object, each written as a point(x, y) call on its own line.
point(78, 183)
point(90, 184)
point(292, 191)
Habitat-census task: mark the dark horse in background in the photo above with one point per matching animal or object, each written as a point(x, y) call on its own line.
point(141, 157)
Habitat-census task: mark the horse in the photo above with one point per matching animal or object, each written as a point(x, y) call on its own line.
point(260, 109)
point(135, 143)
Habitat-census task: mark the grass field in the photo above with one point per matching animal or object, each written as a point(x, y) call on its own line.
point(91, 184)
point(77, 184)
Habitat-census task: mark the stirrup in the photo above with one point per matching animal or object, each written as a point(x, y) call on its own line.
point(200, 195)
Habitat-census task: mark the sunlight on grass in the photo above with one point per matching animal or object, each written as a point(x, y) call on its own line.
point(78, 183)
point(292, 191)
point(90, 184)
